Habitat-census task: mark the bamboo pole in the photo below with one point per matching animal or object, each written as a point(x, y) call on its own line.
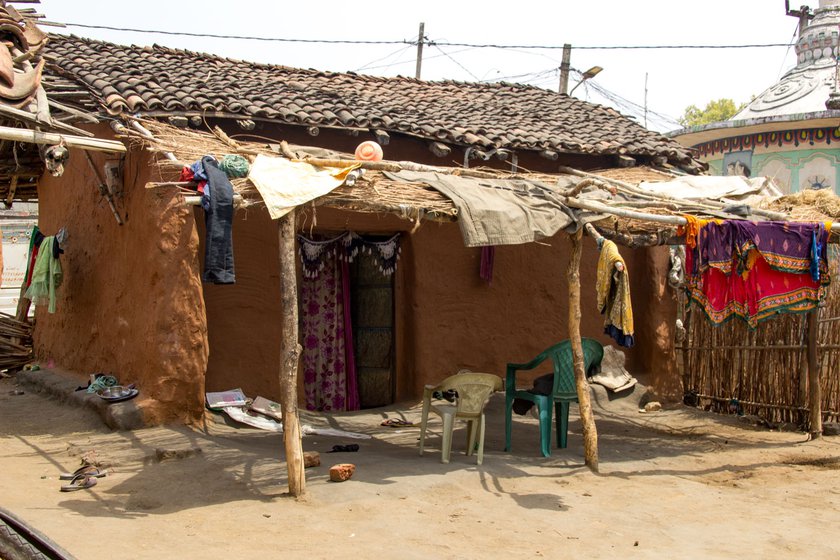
point(814, 396)
point(590, 432)
point(36, 137)
point(290, 354)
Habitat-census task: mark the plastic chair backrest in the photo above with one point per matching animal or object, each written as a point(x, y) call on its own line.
point(474, 390)
point(564, 370)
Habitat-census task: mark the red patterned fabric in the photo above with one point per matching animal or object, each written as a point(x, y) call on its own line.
point(754, 271)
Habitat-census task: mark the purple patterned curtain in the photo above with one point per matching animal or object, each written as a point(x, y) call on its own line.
point(325, 351)
point(329, 369)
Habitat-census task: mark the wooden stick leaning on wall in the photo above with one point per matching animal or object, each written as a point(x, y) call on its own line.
point(814, 394)
point(290, 351)
point(590, 432)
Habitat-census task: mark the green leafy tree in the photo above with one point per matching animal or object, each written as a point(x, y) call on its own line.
point(716, 110)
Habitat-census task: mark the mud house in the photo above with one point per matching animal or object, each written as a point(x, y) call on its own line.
point(132, 302)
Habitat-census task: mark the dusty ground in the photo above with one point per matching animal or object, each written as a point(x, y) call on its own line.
point(675, 484)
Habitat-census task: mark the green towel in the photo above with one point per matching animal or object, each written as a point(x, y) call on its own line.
point(46, 277)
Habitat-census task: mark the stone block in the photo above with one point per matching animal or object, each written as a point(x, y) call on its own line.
point(311, 459)
point(342, 472)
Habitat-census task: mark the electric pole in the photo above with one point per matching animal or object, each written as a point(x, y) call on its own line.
point(420, 50)
point(564, 68)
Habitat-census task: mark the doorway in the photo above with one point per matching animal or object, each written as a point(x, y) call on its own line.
point(372, 313)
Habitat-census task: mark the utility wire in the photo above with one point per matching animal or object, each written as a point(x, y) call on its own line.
point(413, 59)
point(787, 52)
point(464, 68)
point(371, 63)
point(430, 43)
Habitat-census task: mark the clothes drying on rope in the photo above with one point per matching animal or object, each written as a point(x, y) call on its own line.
point(755, 270)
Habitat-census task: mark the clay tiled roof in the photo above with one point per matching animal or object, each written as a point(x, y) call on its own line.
point(158, 81)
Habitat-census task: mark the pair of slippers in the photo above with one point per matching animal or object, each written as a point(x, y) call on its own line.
point(82, 478)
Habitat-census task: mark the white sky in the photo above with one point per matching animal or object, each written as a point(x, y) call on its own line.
point(675, 78)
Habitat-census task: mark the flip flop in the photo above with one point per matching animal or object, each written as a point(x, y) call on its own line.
point(88, 470)
point(396, 423)
point(79, 483)
point(344, 448)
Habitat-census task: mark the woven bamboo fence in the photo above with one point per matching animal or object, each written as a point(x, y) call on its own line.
point(763, 372)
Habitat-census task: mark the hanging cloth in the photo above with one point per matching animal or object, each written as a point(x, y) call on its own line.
point(754, 271)
point(613, 293)
point(218, 205)
point(314, 252)
point(488, 255)
point(329, 382)
point(46, 275)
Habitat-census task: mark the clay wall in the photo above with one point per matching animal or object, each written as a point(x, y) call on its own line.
point(130, 302)
point(447, 317)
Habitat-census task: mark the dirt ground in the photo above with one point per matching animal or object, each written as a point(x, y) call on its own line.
point(679, 483)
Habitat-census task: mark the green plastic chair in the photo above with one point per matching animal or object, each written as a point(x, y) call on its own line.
point(563, 392)
point(474, 390)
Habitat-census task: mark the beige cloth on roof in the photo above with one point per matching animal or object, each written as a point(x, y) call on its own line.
point(285, 184)
point(499, 211)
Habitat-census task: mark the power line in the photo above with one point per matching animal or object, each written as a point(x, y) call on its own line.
point(464, 68)
point(430, 43)
point(412, 60)
point(370, 64)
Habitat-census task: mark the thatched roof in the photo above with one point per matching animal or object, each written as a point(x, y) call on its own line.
point(617, 190)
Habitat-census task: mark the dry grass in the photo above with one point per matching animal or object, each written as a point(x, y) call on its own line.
point(375, 192)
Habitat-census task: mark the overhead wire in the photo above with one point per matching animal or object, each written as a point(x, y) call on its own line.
point(464, 68)
point(413, 60)
point(787, 51)
point(205, 35)
point(371, 63)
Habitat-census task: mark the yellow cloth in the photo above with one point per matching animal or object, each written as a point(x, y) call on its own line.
point(285, 184)
point(613, 290)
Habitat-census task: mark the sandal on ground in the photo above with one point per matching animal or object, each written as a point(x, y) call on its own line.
point(353, 447)
point(88, 470)
point(79, 483)
point(396, 423)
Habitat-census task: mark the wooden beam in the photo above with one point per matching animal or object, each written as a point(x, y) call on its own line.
point(12, 190)
point(28, 117)
point(290, 356)
point(814, 392)
point(87, 117)
point(51, 138)
point(590, 432)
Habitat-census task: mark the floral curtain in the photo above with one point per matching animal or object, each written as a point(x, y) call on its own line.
point(329, 371)
point(325, 351)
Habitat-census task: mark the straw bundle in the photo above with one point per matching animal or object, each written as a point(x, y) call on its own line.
point(810, 205)
point(15, 343)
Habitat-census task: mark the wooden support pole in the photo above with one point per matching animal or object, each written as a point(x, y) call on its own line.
point(290, 352)
point(814, 393)
point(590, 432)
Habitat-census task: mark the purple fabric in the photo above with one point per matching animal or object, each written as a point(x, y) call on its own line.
point(324, 353)
point(353, 402)
point(786, 246)
point(488, 255)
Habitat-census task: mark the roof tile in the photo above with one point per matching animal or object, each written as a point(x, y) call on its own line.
point(503, 115)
